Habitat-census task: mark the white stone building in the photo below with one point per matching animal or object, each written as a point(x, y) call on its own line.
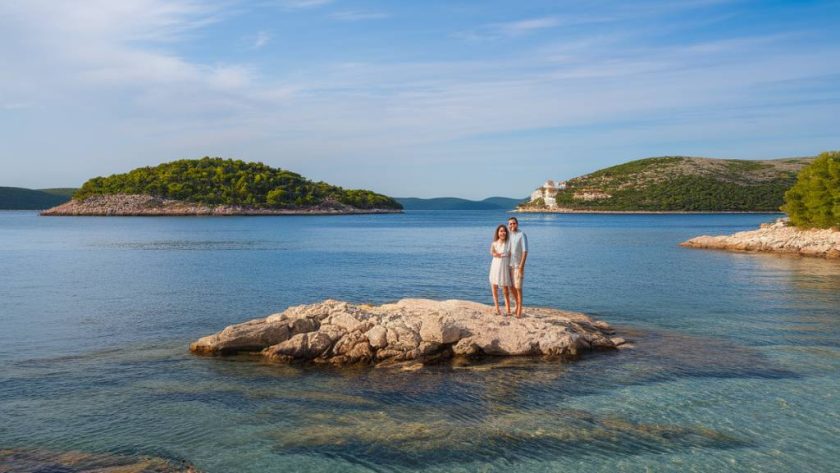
point(547, 192)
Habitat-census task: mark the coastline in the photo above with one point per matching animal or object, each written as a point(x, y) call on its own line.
point(119, 205)
point(642, 212)
point(775, 237)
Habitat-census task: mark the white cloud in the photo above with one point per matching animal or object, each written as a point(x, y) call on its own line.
point(516, 28)
point(303, 4)
point(16, 106)
point(358, 15)
point(528, 26)
point(262, 38)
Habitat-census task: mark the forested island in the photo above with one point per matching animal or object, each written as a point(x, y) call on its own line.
point(676, 184)
point(217, 186)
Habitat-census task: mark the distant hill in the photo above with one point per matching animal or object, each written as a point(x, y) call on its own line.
point(677, 183)
point(455, 203)
point(62, 191)
point(18, 198)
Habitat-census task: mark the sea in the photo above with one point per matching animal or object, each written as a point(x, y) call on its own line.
point(733, 360)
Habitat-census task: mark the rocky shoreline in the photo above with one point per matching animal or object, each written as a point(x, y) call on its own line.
point(777, 237)
point(146, 205)
point(409, 332)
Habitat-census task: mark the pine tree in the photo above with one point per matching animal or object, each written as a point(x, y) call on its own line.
point(814, 201)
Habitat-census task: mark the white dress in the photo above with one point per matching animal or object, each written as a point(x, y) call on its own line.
point(500, 267)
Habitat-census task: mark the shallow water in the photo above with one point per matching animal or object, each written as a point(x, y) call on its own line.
point(735, 361)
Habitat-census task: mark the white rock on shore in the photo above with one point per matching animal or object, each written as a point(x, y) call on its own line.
point(147, 205)
point(775, 237)
point(418, 330)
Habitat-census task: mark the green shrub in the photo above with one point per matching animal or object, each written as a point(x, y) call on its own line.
point(814, 201)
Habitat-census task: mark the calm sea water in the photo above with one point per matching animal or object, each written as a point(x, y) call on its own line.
point(736, 364)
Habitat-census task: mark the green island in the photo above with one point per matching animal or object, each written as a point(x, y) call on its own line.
point(216, 186)
point(679, 184)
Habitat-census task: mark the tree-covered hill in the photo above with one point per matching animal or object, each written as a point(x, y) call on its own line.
point(17, 198)
point(676, 183)
point(65, 192)
point(217, 181)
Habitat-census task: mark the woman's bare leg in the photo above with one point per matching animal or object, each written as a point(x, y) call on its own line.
point(494, 289)
point(506, 290)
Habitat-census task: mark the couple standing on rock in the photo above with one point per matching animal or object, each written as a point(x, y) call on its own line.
point(509, 250)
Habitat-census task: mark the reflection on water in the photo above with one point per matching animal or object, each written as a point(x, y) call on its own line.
point(812, 274)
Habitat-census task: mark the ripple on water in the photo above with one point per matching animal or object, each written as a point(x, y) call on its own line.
point(193, 245)
point(736, 372)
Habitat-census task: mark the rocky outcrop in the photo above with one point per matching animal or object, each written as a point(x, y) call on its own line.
point(147, 205)
point(411, 330)
point(775, 237)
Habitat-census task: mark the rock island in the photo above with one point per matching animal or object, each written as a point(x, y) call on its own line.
point(410, 330)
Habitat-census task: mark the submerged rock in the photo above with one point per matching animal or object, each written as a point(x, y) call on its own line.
point(775, 237)
point(20, 460)
point(411, 330)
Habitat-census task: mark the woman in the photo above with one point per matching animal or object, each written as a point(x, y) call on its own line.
point(500, 267)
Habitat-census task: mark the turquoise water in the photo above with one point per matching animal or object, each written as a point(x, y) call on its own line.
point(735, 364)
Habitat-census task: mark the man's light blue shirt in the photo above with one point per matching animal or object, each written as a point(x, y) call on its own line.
point(518, 245)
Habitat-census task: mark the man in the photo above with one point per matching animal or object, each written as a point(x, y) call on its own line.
point(518, 255)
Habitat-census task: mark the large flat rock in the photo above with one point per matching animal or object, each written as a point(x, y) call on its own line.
point(775, 237)
point(418, 330)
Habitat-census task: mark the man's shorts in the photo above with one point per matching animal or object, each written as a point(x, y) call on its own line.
point(518, 275)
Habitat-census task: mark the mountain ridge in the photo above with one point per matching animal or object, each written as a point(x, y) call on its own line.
point(19, 198)
point(457, 203)
point(675, 183)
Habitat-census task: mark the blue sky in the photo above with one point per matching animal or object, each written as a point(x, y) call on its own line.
point(423, 98)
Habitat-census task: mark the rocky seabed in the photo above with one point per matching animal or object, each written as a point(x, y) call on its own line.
point(410, 331)
point(777, 237)
point(147, 205)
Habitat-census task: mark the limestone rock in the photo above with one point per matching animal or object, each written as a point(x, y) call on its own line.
point(409, 331)
point(435, 329)
point(249, 336)
point(378, 336)
point(775, 237)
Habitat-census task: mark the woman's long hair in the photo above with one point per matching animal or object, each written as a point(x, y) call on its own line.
point(496, 234)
